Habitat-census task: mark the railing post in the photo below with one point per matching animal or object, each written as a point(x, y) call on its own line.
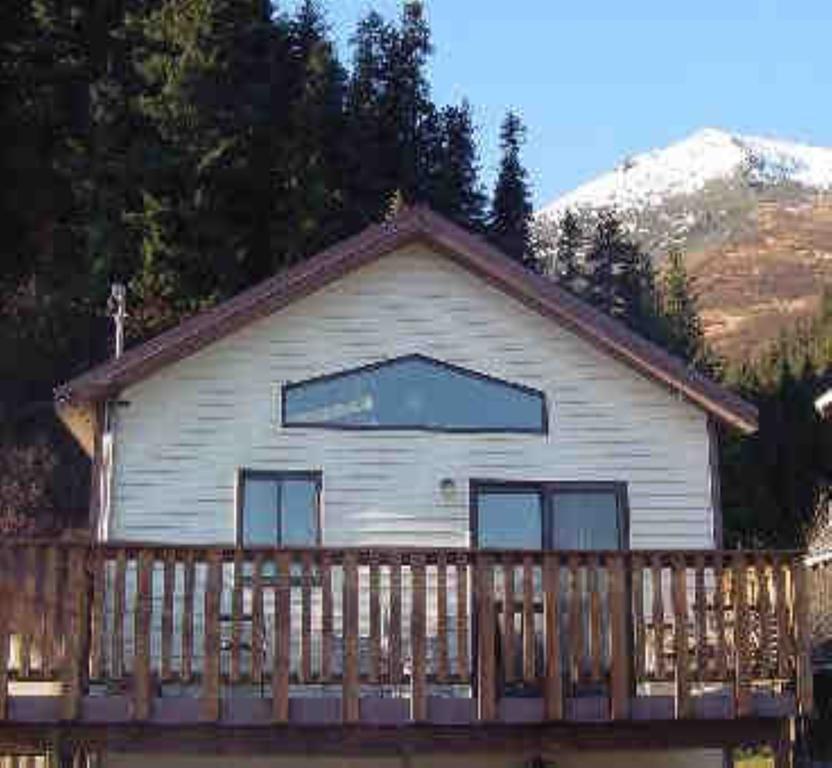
point(621, 661)
point(680, 632)
point(742, 699)
point(486, 661)
point(141, 657)
point(805, 697)
point(76, 657)
point(211, 660)
point(282, 644)
point(553, 692)
point(418, 645)
point(350, 702)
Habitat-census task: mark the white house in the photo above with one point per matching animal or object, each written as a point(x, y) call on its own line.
point(415, 432)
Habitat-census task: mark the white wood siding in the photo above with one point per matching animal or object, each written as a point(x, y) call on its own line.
point(188, 428)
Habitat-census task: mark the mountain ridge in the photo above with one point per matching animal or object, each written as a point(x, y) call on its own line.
point(752, 215)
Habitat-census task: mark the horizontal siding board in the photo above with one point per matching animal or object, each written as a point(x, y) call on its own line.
point(190, 426)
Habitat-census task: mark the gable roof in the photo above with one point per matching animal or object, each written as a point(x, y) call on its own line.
point(413, 224)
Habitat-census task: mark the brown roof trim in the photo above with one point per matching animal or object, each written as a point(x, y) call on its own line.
point(468, 250)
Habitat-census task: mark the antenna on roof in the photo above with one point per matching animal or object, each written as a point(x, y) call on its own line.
point(117, 309)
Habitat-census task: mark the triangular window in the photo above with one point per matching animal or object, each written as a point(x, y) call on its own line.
point(414, 393)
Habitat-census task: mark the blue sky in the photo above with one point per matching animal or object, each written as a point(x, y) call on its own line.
point(596, 80)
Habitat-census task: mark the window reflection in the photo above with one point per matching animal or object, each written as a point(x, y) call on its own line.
point(414, 393)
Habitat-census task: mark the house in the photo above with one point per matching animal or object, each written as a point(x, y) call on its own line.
point(410, 503)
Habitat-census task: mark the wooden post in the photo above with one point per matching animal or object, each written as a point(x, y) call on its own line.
point(442, 618)
point(782, 613)
point(306, 619)
point(805, 697)
point(700, 608)
point(396, 619)
point(76, 661)
point(553, 691)
point(188, 616)
point(576, 634)
point(326, 616)
point(5, 619)
point(487, 689)
point(529, 675)
point(680, 632)
point(51, 611)
point(375, 619)
point(236, 617)
point(742, 699)
point(141, 631)
point(168, 590)
point(594, 587)
point(721, 655)
point(463, 666)
point(508, 672)
point(282, 641)
point(257, 625)
point(117, 652)
point(658, 615)
point(211, 660)
point(620, 684)
point(418, 643)
point(640, 665)
point(350, 701)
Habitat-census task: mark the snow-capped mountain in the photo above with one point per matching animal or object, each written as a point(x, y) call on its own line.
point(753, 216)
point(685, 168)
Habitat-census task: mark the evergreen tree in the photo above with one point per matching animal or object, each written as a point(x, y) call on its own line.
point(601, 261)
point(567, 254)
point(685, 336)
point(509, 223)
point(453, 186)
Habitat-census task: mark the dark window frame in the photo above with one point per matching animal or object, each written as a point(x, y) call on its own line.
point(278, 476)
point(547, 490)
point(537, 393)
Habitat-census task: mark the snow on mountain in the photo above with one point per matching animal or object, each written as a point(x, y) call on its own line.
point(648, 180)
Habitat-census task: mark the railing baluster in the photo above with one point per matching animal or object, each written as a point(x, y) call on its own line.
point(236, 617)
point(375, 619)
point(700, 608)
point(442, 618)
point(462, 608)
point(417, 643)
point(529, 675)
point(486, 619)
point(680, 633)
point(350, 697)
point(141, 635)
point(119, 580)
point(396, 619)
point(211, 631)
point(168, 593)
point(282, 640)
point(803, 640)
point(594, 587)
point(306, 619)
point(551, 601)
point(326, 617)
point(30, 598)
point(639, 632)
point(764, 615)
point(78, 625)
point(188, 617)
point(620, 683)
point(52, 601)
point(782, 611)
point(720, 650)
point(257, 625)
point(658, 616)
point(739, 579)
point(508, 619)
point(576, 642)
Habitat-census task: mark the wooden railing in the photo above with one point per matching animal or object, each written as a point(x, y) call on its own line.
point(406, 634)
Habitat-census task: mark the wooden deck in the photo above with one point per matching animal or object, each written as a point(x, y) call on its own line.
point(127, 637)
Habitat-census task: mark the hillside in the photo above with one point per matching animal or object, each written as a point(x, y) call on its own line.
point(753, 216)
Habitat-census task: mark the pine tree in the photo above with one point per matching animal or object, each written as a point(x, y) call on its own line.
point(509, 223)
point(567, 253)
point(600, 263)
point(453, 185)
point(685, 336)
